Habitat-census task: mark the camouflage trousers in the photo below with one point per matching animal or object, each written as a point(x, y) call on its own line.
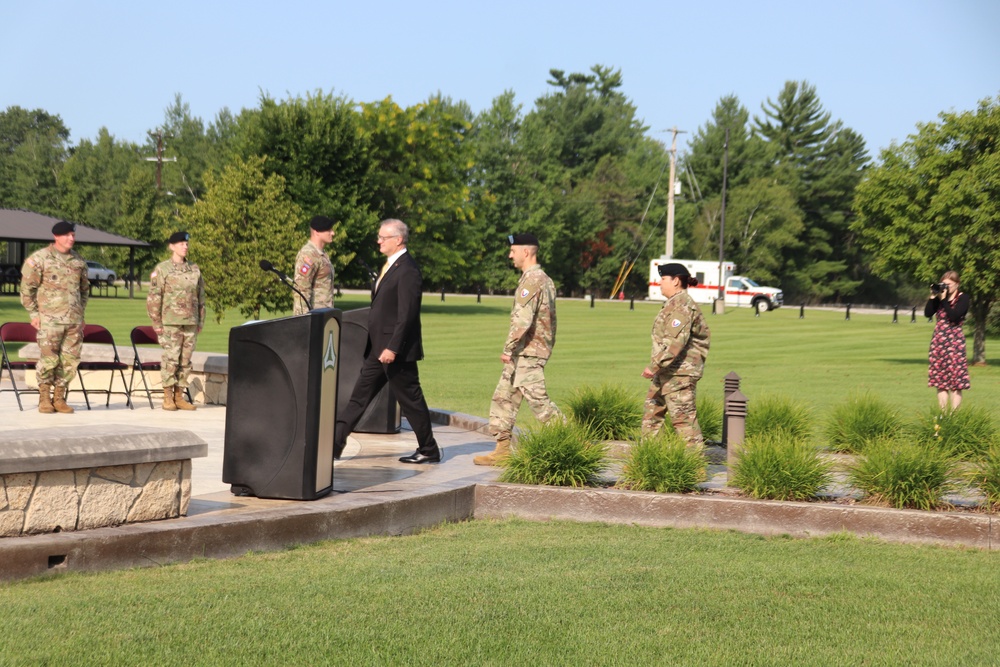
point(523, 378)
point(673, 395)
point(59, 353)
point(178, 346)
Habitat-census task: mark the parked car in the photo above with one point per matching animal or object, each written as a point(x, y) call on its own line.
point(97, 273)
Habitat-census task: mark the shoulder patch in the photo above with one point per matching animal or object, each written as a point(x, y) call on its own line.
point(152, 275)
point(675, 323)
point(306, 267)
point(525, 292)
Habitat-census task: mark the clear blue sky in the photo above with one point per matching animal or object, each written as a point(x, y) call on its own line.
point(880, 66)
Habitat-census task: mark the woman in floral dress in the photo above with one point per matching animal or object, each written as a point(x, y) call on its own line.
point(949, 364)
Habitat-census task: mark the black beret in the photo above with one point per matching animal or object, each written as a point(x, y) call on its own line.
point(177, 237)
point(674, 269)
point(321, 223)
point(523, 239)
point(63, 227)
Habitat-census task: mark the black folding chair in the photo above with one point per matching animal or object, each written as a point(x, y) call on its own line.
point(95, 334)
point(146, 335)
point(16, 332)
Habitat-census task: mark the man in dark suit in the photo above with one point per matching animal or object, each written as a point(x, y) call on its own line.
point(394, 347)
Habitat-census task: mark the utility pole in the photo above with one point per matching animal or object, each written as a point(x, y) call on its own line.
point(159, 159)
point(722, 220)
point(670, 193)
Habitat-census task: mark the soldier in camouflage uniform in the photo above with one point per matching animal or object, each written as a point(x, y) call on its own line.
point(176, 305)
point(54, 291)
point(680, 348)
point(529, 345)
point(313, 269)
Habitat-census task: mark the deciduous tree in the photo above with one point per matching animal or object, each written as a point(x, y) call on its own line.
point(933, 205)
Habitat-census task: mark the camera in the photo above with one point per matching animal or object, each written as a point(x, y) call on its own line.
point(937, 288)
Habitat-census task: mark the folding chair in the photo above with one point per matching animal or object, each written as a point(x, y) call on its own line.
point(145, 335)
point(96, 334)
point(16, 332)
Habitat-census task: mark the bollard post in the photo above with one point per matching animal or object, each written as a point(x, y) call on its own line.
point(442, 294)
point(848, 316)
point(756, 308)
point(895, 315)
point(479, 295)
point(802, 312)
point(631, 303)
point(736, 424)
point(591, 299)
point(730, 384)
point(913, 316)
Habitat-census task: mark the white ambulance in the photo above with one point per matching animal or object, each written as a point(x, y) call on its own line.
point(740, 290)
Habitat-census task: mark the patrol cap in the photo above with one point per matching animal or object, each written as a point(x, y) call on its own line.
point(321, 223)
point(62, 227)
point(674, 269)
point(523, 239)
point(177, 237)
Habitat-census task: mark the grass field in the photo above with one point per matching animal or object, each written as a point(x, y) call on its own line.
point(519, 593)
point(819, 359)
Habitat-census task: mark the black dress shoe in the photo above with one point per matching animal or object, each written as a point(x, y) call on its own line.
point(417, 457)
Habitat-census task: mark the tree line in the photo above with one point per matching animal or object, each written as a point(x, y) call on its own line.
point(806, 208)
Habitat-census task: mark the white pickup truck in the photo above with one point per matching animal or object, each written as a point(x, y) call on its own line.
point(740, 290)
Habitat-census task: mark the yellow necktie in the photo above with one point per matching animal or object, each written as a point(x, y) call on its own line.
point(385, 267)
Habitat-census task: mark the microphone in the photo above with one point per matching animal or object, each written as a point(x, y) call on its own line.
point(267, 266)
point(372, 275)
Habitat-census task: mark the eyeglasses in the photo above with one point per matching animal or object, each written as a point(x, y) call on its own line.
point(384, 238)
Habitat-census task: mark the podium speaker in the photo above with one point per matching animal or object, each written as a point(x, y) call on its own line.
point(281, 406)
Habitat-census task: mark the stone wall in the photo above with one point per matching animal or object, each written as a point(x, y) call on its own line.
point(61, 500)
point(75, 478)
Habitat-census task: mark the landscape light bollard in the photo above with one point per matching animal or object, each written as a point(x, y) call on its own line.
point(736, 423)
point(913, 315)
point(756, 308)
point(730, 385)
point(631, 303)
point(848, 316)
point(591, 299)
point(895, 315)
point(802, 312)
point(479, 295)
point(442, 294)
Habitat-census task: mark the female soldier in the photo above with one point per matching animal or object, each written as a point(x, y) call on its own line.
point(949, 364)
point(680, 348)
point(176, 305)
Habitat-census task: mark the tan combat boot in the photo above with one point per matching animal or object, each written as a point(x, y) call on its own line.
point(495, 457)
point(59, 401)
point(168, 399)
point(45, 399)
point(180, 401)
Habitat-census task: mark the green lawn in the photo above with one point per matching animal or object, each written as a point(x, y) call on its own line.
point(819, 359)
point(519, 593)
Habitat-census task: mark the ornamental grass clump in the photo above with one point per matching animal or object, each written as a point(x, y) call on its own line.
point(987, 476)
point(663, 463)
point(710, 418)
point(556, 454)
point(966, 433)
point(779, 466)
point(770, 413)
point(860, 420)
point(611, 412)
point(900, 473)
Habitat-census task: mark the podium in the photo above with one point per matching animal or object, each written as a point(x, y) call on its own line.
point(383, 414)
point(281, 406)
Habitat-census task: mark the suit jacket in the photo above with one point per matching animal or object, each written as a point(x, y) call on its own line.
point(394, 318)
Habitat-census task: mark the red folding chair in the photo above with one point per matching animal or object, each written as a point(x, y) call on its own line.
point(16, 332)
point(95, 334)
